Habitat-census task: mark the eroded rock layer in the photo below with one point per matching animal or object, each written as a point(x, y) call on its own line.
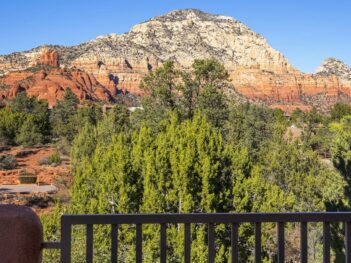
point(51, 83)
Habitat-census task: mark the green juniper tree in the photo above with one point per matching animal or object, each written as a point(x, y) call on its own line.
point(190, 151)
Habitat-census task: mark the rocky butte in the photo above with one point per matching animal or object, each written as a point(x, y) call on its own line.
point(111, 64)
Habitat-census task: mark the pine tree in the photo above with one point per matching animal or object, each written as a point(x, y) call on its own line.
point(29, 133)
point(62, 117)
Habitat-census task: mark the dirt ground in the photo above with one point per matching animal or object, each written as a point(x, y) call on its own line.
point(28, 160)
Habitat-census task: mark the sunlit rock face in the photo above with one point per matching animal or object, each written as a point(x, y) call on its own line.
point(45, 80)
point(333, 66)
point(258, 72)
point(49, 57)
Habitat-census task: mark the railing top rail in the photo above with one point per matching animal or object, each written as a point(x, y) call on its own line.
point(206, 218)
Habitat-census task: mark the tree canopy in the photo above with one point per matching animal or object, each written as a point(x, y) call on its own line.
point(190, 149)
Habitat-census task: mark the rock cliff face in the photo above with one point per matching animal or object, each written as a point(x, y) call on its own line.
point(258, 72)
point(333, 66)
point(49, 57)
point(49, 83)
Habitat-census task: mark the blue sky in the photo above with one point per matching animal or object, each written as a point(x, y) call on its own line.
point(305, 31)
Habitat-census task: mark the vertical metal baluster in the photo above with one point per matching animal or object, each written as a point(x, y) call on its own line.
point(139, 243)
point(257, 242)
point(114, 243)
point(281, 241)
point(187, 243)
point(211, 243)
point(235, 248)
point(89, 243)
point(326, 242)
point(303, 242)
point(163, 243)
point(66, 233)
point(348, 242)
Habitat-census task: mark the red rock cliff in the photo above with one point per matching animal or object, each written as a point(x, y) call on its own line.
point(51, 84)
point(49, 57)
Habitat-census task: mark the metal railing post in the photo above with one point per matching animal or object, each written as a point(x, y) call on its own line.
point(65, 240)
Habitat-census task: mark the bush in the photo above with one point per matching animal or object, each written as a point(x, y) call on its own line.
point(29, 134)
point(10, 123)
point(27, 178)
point(7, 162)
point(63, 146)
point(54, 159)
point(44, 161)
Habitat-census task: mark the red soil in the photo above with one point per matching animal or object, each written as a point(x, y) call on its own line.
point(28, 160)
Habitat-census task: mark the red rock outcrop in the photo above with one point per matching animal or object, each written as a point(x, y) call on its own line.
point(51, 84)
point(126, 74)
point(49, 57)
point(290, 88)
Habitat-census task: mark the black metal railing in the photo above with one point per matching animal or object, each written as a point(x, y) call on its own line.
point(67, 221)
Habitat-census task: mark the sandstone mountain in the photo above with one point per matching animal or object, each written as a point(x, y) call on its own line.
point(333, 66)
point(258, 72)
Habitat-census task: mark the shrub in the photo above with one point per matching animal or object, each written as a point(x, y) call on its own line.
point(29, 134)
point(44, 161)
point(10, 123)
point(54, 159)
point(7, 162)
point(27, 178)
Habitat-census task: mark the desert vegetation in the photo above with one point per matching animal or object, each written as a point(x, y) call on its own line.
point(190, 150)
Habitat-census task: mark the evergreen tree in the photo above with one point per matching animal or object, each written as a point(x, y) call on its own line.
point(10, 124)
point(62, 117)
point(161, 85)
point(341, 148)
point(22, 103)
point(340, 110)
point(29, 134)
point(210, 72)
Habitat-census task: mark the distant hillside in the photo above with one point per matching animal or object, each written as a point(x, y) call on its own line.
point(258, 72)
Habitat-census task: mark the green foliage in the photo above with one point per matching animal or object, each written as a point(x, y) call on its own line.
point(298, 171)
point(63, 117)
point(186, 165)
point(161, 85)
point(38, 109)
point(10, 124)
point(340, 110)
point(22, 103)
point(54, 159)
point(341, 146)
point(209, 72)
point(252, 127)
point(213, 104)
point(189, 151)
point(171, 89)
point(29, 133)
point(25, 122)
point(67, 119)
point(180, 169)
point(7, 162)
point(51, 228)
